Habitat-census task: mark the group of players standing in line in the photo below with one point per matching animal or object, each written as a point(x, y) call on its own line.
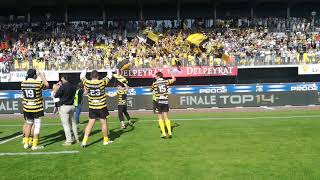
point(95, 89)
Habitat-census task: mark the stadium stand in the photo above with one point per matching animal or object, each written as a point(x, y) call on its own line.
point(75, 35)
point(61, 46)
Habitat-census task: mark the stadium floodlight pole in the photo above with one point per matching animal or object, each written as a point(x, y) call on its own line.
point(313, 14)
point(178, 11)
point(66, 15)
point(288, 12)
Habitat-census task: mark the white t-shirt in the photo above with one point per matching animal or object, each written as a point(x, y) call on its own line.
point(41, 54)
point(55, 100)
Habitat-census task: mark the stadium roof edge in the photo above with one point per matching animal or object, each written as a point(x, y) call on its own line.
point(31, 3)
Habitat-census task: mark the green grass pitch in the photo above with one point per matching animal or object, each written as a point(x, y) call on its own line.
point(220, 145)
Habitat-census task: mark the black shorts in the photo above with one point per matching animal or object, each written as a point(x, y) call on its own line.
point(154, 107)
point(162, 107)
point(122, 108)
point(32, 115)
point(56, 104)
point(98, 113)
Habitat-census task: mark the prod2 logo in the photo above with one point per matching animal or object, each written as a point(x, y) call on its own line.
point(213, 90)
point(307, 87)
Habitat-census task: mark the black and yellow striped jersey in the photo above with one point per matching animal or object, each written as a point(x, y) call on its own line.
point(153, 89)
point(96, 90)
point(32, 95)
point(161, 89)
point(122, 97)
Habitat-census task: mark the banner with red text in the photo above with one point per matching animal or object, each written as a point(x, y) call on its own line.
point(184, 72)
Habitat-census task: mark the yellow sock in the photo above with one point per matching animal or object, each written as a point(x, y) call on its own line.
point(26, 140)
point(30, 141)
point(168, 124)
point(161, 124)
point(85, 139)
point(105, 139)
point(35, 142)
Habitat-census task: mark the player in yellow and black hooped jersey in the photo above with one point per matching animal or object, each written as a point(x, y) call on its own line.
point(97, 97)
point(154, 99)
point(161, 93)
point(122, 104)
point(96, 91)
point(33, 106)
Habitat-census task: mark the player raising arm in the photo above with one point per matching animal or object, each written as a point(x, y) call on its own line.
point(96, 90)
point(160, 88)
point(122, 103)
point(33, 105)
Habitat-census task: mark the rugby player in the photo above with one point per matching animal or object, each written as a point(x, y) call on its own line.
point(96, 91)
point(33, 106)
point(160, 87)
point(122, 104)
point(154, 101)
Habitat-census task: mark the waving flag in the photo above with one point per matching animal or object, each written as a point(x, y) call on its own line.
point(197, 39)
point(152, 38)
point(120, 78)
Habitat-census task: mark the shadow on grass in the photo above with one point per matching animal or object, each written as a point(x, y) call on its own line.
point(132, 119)
point(84, 122)
point(10, 136)
point(60, 137)
point(173, 127)
point(118, 132)
point(52, 138)
point(114, 134)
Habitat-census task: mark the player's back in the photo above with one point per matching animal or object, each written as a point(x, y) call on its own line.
point(161, 89)
point(32, 95)
point(96, 93)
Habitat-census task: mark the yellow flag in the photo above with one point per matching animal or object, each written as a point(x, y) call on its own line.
point(120, 78)
point(126, 66)
point(153, 37)
point(179, 39)
point(185, 26)
point(196, 38)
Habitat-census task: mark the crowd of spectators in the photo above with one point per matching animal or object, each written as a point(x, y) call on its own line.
point(241, 42)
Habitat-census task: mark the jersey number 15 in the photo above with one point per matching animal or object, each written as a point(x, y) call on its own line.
point(162, 89)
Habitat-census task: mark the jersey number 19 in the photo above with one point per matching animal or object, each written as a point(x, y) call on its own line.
point(29, 93)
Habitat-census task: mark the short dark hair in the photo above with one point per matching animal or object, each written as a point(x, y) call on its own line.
point(159, 74)
point(65, 76)
point(31, 73)
point(80, 85)
point(120, 84)
point(94, 74)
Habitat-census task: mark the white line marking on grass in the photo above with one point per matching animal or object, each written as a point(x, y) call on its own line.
point(200, 119)
point(15, 125)
point(250, 118)
point(38, 153)
point(267, 107)
point(5, 141)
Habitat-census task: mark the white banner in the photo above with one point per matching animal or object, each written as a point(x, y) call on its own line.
point(19, 76)
point(309, 69)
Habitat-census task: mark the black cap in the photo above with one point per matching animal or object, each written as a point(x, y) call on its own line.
point(31, 73)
